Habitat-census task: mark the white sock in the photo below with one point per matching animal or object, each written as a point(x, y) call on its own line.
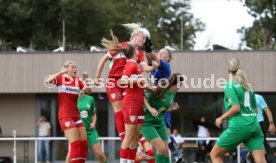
point(122, 160)
point(130, 161)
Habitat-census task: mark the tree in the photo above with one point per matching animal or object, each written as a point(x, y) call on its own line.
point(38, 23)
point(263, 32)
point(163, 19)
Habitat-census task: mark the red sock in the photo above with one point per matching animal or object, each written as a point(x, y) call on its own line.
point(120, 125)
point(151, 154)
point(132, 154)
point(151, 161)
point(124, 153)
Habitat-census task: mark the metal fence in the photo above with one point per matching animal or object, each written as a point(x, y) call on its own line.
point(102, 139)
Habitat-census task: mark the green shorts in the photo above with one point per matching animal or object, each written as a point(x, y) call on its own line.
point(253, 139)
point(152, 132)
point(92, 138)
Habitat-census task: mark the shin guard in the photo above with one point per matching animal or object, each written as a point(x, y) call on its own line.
point(120, 125)
point(83, 150)
point(74, 152)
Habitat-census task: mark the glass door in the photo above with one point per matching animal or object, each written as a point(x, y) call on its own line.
point(47, 105)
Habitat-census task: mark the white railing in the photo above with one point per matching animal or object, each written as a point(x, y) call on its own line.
point(102, 139)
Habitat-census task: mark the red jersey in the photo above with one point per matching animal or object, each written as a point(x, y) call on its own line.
point(68, 96)
point(119, 61)
point(134, 95)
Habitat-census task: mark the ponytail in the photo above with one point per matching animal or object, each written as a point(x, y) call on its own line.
point(240, 78)
point(112, 45)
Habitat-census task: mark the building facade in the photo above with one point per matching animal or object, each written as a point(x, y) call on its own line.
point(24, 96)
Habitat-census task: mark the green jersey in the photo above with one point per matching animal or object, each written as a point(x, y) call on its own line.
point(160, 104)
point(86, 107)
point(236, 94)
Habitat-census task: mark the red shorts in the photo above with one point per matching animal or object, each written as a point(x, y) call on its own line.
point(70, 122)
point(113, 90)
point(133, 115)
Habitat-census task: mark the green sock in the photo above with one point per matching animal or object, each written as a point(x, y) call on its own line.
point(160, 158)
point(167, 160)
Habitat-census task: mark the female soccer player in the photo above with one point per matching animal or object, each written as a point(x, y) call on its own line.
point(115, 92)
point(243, 127)
point(69, 86)
point(154, 128)
point(163, 71)
point(132, 104)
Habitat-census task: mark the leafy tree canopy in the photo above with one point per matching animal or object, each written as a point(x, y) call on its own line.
point(38, 23)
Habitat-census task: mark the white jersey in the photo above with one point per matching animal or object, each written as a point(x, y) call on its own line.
point(43, 128)
point(202, 132)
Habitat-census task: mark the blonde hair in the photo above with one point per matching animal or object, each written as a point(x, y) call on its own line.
point(136, 28)
point(67, 63)
point(133, 27)
point(114, 45)
point(239, 76)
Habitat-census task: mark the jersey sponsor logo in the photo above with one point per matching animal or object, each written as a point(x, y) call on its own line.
point(132, 118)
point(84, 114)
point(135, 76)
point(72, 89)
point(68, 89)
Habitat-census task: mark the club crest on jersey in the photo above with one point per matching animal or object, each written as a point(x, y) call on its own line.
point(84, 114)
point(132, 118)
point(229, 100)
point(113, 96)
point(67, 124)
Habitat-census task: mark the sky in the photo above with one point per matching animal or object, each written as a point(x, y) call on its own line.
point(222, 19)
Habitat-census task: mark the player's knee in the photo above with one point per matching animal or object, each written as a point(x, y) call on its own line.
point(83, 149)
point(161, 149)
point(101, 157)
point(214, 154)
point(99, 154)
point(74, 153)
point(259, 160)
point(127, 140)
point(136, 137)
